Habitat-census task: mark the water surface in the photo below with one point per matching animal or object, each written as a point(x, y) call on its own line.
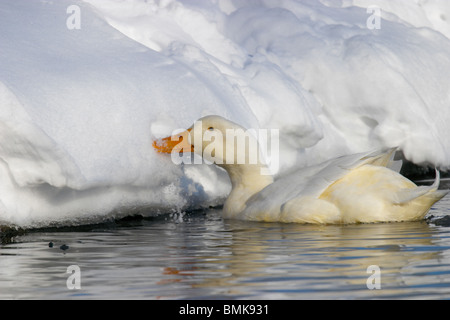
point(199, 255)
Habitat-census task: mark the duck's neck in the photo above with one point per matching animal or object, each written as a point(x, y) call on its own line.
point(246, 180)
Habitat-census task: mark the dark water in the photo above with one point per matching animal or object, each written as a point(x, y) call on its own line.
point(201, 256)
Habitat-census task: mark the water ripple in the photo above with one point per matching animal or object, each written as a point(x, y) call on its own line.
point(204, 256)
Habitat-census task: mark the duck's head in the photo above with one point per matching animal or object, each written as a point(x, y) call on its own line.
point(217, 140)
point(228, 145)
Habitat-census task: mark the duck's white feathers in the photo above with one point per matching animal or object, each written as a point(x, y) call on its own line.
point(365, 187)
point(349, 189)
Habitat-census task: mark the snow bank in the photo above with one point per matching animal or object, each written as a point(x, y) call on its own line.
point(79, 107)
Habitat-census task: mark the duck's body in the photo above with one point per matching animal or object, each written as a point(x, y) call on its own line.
point(359, 188)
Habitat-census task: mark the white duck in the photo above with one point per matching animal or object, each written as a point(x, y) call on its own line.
point(358, 188)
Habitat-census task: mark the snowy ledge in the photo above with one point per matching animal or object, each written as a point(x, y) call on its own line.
point(82, 99)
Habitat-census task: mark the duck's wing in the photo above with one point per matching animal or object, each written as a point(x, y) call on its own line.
point(310, 182)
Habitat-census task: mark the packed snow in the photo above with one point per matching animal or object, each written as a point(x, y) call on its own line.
point(86, 85)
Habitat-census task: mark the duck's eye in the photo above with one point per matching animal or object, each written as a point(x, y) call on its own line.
point(210, 128)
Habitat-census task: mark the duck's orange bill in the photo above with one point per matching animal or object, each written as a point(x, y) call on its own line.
point(177, 143)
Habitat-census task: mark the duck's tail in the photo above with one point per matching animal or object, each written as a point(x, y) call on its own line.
point(420, 199)
point(426, 195)
point(432, 192)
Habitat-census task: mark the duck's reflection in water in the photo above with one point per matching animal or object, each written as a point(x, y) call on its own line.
point(267, 260)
